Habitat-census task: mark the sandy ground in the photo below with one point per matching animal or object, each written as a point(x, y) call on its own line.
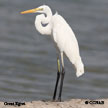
point(73, 103)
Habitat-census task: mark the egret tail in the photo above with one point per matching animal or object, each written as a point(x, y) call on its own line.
point(79, 68)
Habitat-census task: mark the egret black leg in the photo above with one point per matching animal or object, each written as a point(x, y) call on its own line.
point(61, 84)
point(58, 77)
point(62, 77)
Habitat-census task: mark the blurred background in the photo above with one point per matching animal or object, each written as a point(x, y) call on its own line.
point(28, 59)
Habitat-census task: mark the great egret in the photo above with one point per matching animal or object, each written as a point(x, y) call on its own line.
point(64, 39)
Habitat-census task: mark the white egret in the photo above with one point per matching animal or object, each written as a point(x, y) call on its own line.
point(64, 39)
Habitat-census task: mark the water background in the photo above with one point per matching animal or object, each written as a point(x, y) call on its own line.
point(28, 59)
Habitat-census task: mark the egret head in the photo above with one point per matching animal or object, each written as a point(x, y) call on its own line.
point(40, 9)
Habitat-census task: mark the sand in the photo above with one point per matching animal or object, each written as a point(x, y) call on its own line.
point(73, 103)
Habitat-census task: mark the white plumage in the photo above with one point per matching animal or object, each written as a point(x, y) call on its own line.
point(63, 36)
